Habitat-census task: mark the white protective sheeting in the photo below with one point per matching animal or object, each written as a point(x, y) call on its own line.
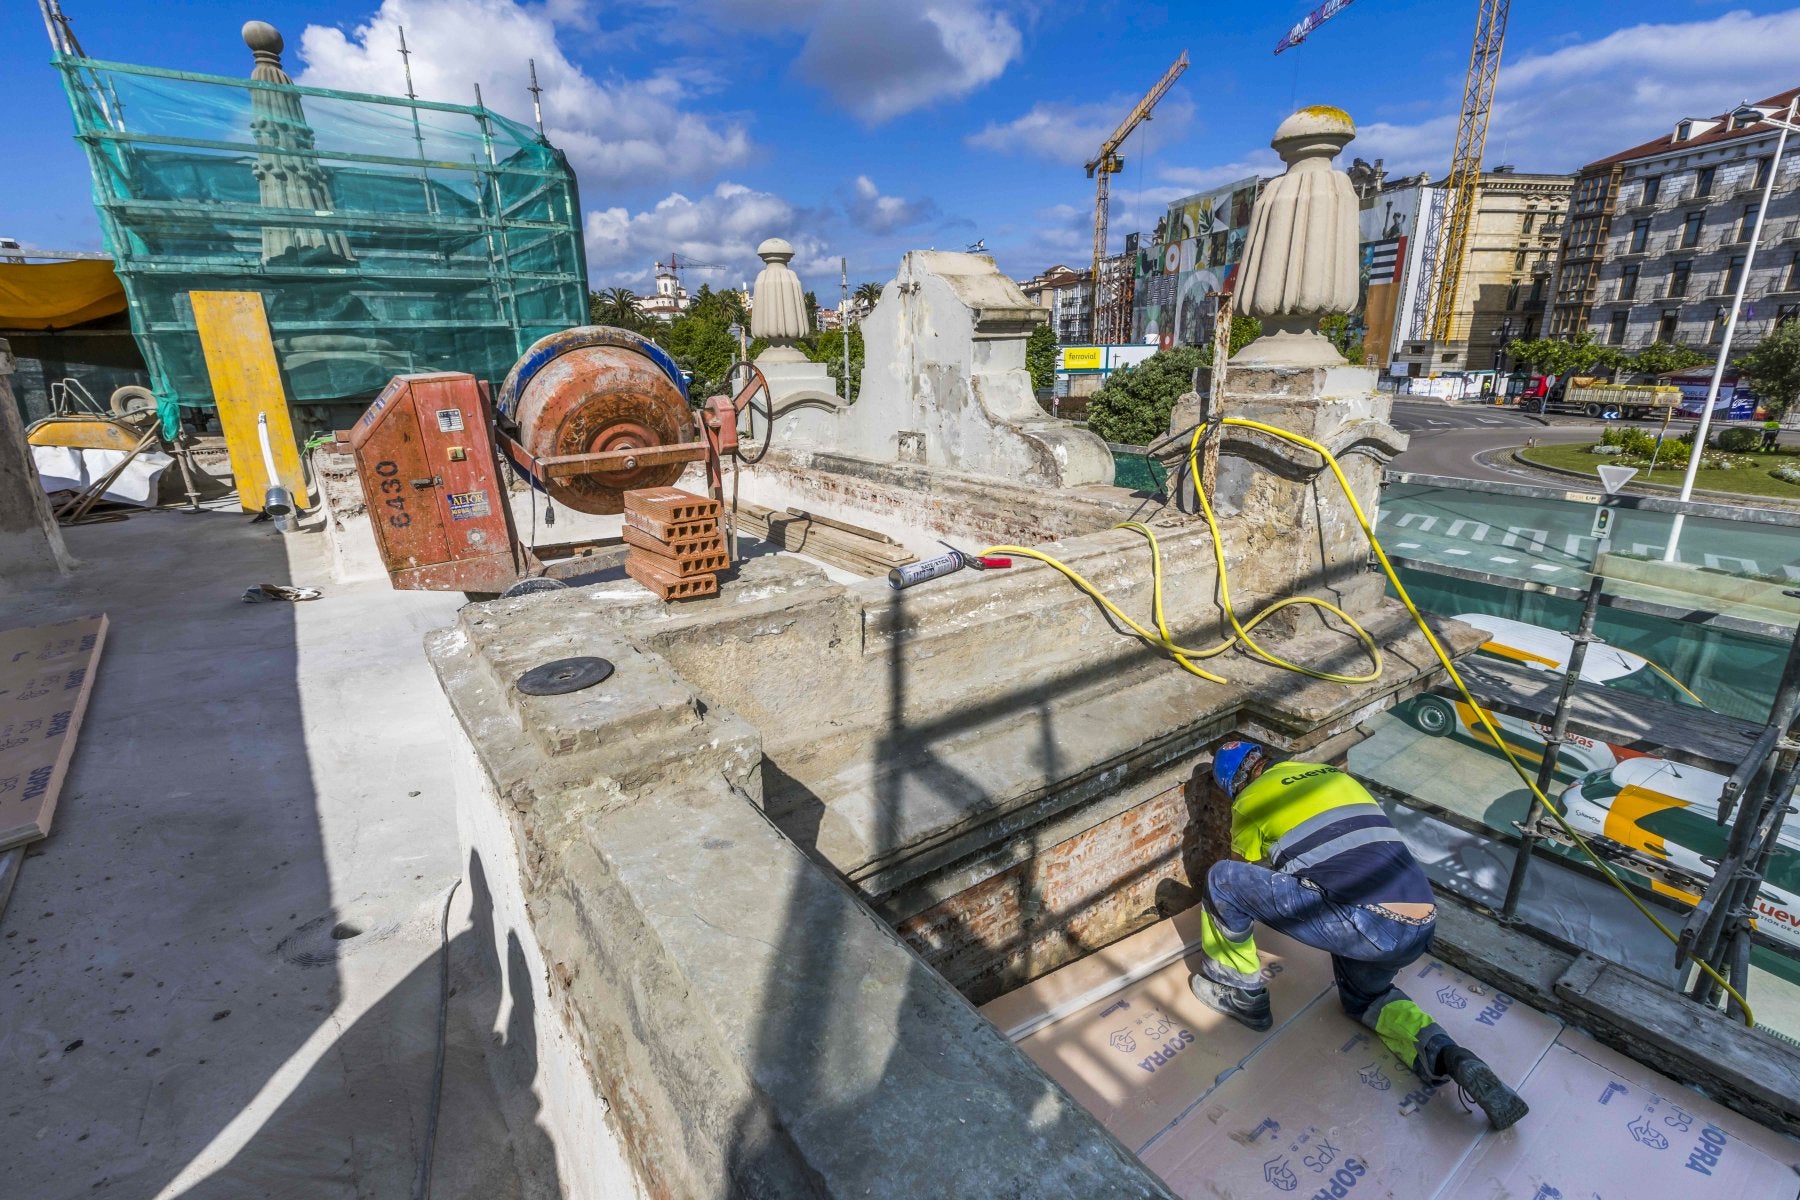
point(68, 470)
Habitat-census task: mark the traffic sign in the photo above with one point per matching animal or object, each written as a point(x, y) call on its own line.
point(1613, 478)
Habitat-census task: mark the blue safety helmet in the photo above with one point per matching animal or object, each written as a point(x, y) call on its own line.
point(1229, 759)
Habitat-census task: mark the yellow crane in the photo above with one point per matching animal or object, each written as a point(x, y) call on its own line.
point(1463, 187)
point(1104, 166)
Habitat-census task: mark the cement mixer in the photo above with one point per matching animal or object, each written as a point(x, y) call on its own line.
point(585, 416)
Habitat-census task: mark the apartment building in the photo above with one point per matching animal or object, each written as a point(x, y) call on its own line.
point(1069, 295)
point(1659, 234)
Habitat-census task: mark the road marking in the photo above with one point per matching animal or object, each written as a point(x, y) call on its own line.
point(1458, 552)
point(1545, 567)
point(1480, 534)
point(1424, 522)
point(1407, 545)
point(1536, 540)
point(1501, 558)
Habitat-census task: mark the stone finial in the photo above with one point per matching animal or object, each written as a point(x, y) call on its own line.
point(778, 304)
point(1300, 260)
point(264, 40)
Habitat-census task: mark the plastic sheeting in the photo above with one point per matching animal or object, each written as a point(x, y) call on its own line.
point(63, 468)
point(58, 295)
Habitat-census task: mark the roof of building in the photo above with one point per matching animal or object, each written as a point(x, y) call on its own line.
point(1721, 133)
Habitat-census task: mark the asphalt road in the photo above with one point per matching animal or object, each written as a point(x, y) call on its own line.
point(1449, 437)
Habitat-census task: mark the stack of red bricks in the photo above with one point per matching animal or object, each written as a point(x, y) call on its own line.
point(677, 548)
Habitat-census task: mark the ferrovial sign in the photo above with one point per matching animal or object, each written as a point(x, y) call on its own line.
point(1083, 358)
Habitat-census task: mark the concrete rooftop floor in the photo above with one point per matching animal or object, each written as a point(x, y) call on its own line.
point(219, 976)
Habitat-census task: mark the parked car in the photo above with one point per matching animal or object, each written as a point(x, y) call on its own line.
point(1540, 649)
point(1669, 812)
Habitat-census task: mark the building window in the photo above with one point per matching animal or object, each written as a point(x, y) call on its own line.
point(1519, 261)
point(1616, 335)
point(1703, 185)
point(1690, 230)
point(1762, 170)
point(1793, 280)
point(1628, 281)
point(1678, 277)
point(1537, 293)
point(1734, 273)
point(1720, 320)
point(1512, 297)
point(1748, 223)
point(1530, 220)
point(1640, 235)
point(1652, 189)
point(1665, 328)
point(1785, 313)
point(1531, 327)
point(1684, 131)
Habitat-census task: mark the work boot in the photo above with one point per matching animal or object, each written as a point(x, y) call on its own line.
point(1504, 1107)
point(1250, 1007)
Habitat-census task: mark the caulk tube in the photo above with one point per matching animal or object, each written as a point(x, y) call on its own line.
point(931, 568)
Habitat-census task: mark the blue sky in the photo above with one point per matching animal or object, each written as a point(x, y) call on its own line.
point(864, 129)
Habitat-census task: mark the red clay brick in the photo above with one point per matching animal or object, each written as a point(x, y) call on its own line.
point(702, 543)
point(670, 531)
point(671, 505)
point(687, 566)
point(667, 586)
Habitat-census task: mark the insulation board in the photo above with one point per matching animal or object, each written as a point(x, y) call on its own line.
point(1319, 1107)
point(46, 675)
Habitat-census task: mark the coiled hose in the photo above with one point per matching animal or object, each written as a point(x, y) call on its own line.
point(1184, 656)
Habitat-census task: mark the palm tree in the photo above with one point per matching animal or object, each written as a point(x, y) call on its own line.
point(618, 306)
point(866, 294)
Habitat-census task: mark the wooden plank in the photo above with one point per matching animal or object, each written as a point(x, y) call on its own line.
point(46, 675)
point(246, 383)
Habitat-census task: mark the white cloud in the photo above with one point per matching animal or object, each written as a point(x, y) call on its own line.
point(873, 212)
point(723, 226)
point(1071, 133)
point(616, 132)
point(882, 58)
point(1555, 111)
point(1188, 180)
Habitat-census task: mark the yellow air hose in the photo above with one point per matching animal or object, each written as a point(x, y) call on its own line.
point(1183, 656)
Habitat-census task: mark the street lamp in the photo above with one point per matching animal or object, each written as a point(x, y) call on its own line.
point(1501, 380)
point(1737, 304)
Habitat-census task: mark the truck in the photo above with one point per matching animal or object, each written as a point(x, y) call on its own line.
point(1596, 398)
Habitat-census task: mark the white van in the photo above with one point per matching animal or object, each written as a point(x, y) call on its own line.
point(1669, 812)
point(1540, 649)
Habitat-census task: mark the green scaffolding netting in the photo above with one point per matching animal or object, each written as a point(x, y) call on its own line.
point(385, 235)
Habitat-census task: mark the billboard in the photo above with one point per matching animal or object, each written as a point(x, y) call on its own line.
point(1387, 225)
point(1193, 252)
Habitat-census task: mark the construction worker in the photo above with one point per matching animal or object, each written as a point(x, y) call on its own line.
point(1771, 434)
point(1338, 878)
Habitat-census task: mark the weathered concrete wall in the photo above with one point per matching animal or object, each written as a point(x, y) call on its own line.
point(754, 1030)
point(917, 505)
point(31, 545)
point(945, 384)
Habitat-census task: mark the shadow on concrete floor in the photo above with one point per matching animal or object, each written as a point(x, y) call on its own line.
point(219, 974)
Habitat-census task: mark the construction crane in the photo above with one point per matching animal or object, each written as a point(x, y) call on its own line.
point(1107, 163)
point(1465, 165)
point(1311, 21)
point(677, 265)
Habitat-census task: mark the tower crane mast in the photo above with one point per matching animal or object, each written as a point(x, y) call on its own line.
point(1107, 163)
point(1464, 185)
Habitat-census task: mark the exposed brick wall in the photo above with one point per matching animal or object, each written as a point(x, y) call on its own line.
point(1077, 896)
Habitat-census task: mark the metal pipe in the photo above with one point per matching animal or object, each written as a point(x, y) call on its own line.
point(1737, 305)
point(1559, 728)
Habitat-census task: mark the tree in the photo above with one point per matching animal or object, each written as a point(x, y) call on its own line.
point(866, 294)
point(1134, 404)
point(1244, 330)
point(828, 348)
point(1040, 358)
point(1661, 357)
point(1337, 327)
point(1772, 368)
point(721, 308)
point(703, 346)
point(812, 312)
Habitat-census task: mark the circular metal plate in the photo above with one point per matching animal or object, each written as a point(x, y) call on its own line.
point(563, 675)
point(529, 587)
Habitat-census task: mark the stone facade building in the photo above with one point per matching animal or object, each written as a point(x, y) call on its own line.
point(1069, 295)
point(1511, 251)
point(1659, 234)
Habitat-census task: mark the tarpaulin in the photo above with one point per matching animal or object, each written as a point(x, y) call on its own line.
point(58, 295)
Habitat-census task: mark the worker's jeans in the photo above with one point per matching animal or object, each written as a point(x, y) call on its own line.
point(1368, 949)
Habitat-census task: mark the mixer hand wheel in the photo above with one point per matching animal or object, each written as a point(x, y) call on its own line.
point(750, 396)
